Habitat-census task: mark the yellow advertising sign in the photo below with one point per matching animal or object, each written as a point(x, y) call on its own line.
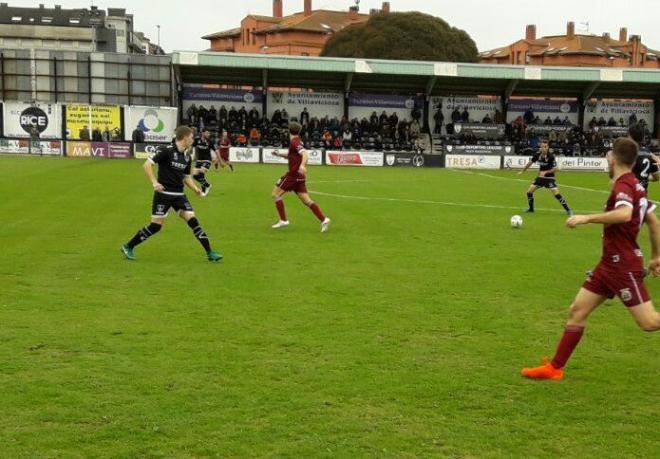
point(100, 123)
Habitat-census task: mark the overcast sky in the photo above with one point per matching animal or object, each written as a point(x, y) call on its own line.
point(490, 23)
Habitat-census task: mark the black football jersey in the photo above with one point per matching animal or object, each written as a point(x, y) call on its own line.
point(546, 163)
point(204, 148)
point(173, 166)
point(645, 167)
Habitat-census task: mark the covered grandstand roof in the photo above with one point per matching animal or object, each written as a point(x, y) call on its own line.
point(408, 77)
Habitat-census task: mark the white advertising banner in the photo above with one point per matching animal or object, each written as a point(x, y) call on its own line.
point(565, 163)
point(244, 155)
point(354, 158)
point(620, 110)
point(315, 156)
point(472, 161)
point(157, 124)
point(19, 119)
point(477, 107)
point(318, 104)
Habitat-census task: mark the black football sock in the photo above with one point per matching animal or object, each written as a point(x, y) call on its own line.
point(563, 202)
point(530, 201)
point(201, 179)
point(144, 234)
point(199, 233)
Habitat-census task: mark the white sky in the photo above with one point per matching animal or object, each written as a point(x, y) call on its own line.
point(490, 23)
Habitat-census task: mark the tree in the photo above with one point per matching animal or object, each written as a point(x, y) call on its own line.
point(403, 36)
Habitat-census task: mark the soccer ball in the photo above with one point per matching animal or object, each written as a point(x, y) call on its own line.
point(516, 221)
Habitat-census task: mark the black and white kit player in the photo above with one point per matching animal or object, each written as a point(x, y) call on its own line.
point(204, 157)
point(646, 167)
point(174, 169)
point(546, 178)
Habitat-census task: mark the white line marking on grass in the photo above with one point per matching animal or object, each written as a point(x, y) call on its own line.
point(425, 201)
point(527, 181)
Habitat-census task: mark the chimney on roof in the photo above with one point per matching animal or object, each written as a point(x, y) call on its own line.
point(278, 9)
point(570, 30)
point(530, 32)
point(386, 8)
point(353, 12)
point(308, 7)
point(623, 34)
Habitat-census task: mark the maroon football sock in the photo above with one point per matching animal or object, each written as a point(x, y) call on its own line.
point(280, 209)
point(570, 339)
point(317, 211)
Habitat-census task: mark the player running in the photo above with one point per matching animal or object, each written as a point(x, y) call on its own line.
point(223, 152)
point(546, 178)
point(620, 271)
point(204, 156)
point(646, 167)
point(174, 168)
point(294, 180)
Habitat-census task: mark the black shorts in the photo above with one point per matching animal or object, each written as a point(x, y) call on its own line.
point(545, 182)
point(206, 164)
point(161, 204)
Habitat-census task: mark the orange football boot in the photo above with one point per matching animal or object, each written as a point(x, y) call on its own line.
point(545, 371)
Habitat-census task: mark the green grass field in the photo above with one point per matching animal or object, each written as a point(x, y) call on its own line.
point(400, 333)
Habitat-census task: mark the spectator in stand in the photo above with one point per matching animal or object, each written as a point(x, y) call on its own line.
point(548, 121)
point(621, 122)
point(107, 135)
point(566, 121)
point(529, 117)
point(632, 119)
point(326, 138)
point(243, 115)
point(285, 118)
point(304, 117)
point(337, 144)
point(414, 130)
point(487, 119)
point(611, 122)
point(347, 135)
point(241, 140)
point(465, 116)
point(456, 116)
point(137, 136)
point(192, 114)
point(556, 121)
point(383, 118)
point(602, 122)
point(223, 116)
point(416, 114)
point(97, 135)
point(255, 136)
point(499, 117)
point(439, 119)
point(593, 123)
point(537, 120)
point(212, 119)
point(233, 115)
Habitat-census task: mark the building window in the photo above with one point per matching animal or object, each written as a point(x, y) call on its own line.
point(254, 37)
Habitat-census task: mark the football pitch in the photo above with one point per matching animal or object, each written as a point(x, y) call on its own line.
point(399, 333)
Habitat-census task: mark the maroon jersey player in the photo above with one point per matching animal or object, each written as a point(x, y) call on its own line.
point(294, 180)
point(620, 271)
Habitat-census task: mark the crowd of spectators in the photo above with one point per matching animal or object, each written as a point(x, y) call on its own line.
point(527, 131)
point(249, 128)
point(386, 132)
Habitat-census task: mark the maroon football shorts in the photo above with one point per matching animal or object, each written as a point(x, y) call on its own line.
point(295, 184)
point(609, 282)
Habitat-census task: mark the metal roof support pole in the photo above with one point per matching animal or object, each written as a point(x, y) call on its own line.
point(264, 93)
point(427, 100)
point(506, 96)
point(583, 100)
point(347, 93)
